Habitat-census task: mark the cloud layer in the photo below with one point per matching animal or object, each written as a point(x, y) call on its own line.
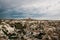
point(39, 9)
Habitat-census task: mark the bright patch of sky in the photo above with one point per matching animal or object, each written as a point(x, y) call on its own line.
point(39, 9)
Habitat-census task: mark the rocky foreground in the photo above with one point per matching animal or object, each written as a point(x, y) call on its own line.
point(29, 29)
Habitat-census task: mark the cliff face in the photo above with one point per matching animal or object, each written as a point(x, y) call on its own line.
point(30, 29)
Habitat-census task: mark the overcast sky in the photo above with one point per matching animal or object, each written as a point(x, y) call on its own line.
point(39, 9)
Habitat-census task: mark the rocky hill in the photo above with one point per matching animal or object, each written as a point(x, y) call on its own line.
point(29, 29)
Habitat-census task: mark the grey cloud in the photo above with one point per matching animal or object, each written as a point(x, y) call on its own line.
point(29, 8)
